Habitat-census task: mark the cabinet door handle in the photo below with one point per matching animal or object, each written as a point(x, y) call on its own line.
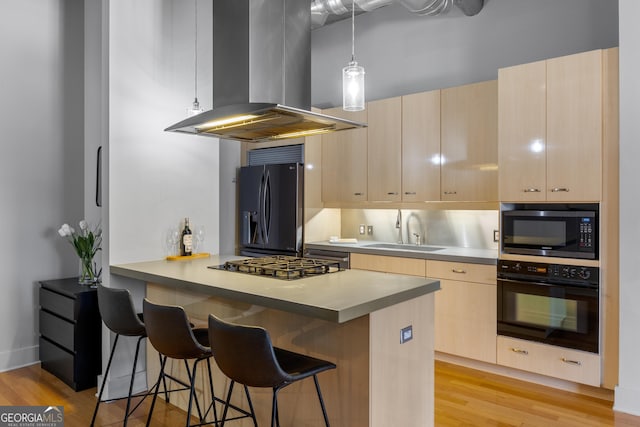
point(519, 351)
point(99, 177)
point(559, 190)
point(410, 193)
point(392, 193)
point(450, 192)
point(458, 271)
point(531, 190)
point(358, 194)
point(571, 362)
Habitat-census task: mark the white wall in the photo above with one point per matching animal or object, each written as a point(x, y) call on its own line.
point(404, 53)
point(156, 178)
point(628, 389)
point(41, 160)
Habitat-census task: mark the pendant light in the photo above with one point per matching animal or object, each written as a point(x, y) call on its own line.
point(353, 76)
point(195, 108)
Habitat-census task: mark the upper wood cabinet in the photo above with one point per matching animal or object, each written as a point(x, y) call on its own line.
point(421, 146)
point(551, 129)
point(469, 142)
point(344, 161)
point(384, 150)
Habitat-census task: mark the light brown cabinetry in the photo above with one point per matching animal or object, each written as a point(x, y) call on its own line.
point(465, 309)
point(384, 150)
point(551, 129)
point(558, 362)
point(389, 264)
point(465, 305)
point(421, 146)
point(344, 161)
point(469, 142)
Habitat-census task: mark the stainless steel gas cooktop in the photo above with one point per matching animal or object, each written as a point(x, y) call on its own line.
point(280, 266)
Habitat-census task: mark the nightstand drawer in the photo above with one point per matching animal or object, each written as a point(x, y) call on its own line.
point(56, 303)
point(58, 330)
point(57, 361)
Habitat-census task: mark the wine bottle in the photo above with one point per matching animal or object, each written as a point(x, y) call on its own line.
point(186, 242)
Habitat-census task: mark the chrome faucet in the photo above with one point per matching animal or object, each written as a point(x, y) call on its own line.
point(399, 226)
point(418, 241)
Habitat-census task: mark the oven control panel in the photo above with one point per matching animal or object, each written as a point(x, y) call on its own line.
point(543, 272)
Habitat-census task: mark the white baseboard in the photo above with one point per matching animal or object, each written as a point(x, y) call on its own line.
point(19, 358)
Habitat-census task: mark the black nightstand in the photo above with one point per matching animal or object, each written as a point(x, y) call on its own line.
point(70, 332)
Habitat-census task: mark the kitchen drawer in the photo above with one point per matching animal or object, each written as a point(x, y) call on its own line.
point(58, 330)
point(56, 303)
point(466, 272)
point(388, 264)
point(558, 362)
point(57, 361)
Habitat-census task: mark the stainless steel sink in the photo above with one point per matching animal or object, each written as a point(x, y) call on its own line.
point(421, 248)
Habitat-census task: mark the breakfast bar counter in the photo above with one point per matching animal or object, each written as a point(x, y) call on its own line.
point(376, 327)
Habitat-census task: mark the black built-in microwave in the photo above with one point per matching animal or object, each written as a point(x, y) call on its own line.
point(553, 230)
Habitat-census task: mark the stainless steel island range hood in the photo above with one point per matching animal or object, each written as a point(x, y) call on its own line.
point(261, 74)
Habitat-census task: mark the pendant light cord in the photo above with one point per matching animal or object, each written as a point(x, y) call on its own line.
point(195, 49)
point(353, 31)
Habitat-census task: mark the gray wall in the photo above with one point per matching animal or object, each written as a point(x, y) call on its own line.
point(404, 53)
point(41, 159)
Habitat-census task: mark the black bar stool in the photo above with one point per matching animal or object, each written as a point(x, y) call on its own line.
point(246, 355)
point(119, 315)
point(170, 334)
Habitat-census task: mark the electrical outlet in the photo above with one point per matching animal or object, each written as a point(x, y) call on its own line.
point(406, 334)
point(496, 235)
point(369, 229)
point(361, 229)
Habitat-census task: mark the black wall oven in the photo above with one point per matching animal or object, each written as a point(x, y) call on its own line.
point(550, 303)
point(555, 230)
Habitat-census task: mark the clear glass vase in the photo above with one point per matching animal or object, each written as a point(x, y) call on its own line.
point(87, 274)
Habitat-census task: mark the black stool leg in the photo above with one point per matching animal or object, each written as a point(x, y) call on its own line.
point(324, 410)
point(164, 382)
point(133, 377)
point(226, 403)
point(250, 403)
point(113, 350)
point(275, 418)
point(155, 392)
point(192, 393)
point(213, 396)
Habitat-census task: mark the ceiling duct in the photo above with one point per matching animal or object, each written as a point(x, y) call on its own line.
point(331, 10)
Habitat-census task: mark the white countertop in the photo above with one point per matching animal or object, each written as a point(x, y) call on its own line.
point(337, 297)
point(446, 253)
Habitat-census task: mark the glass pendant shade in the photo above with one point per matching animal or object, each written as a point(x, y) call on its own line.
point(353, 87)
point(194, 109)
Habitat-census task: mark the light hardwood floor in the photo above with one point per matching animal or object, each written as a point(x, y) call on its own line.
point(463, 397)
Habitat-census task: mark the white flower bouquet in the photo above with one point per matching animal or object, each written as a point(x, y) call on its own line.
point(87, 243)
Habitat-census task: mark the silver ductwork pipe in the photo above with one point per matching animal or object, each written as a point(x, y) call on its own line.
point(321, 9)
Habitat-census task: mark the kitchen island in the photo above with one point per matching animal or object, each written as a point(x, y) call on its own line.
point(353, 318)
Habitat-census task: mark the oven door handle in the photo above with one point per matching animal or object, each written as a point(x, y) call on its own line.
point(524, 281)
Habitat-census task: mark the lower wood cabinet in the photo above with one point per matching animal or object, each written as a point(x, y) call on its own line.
point(70, 331)
point(388, 264)
point(466, 318)
point(465, 309)
point(557, 362)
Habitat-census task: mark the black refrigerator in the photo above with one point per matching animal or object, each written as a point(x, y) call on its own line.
point(271, 209)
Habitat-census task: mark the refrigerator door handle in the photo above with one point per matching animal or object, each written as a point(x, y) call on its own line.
point(266, 208)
